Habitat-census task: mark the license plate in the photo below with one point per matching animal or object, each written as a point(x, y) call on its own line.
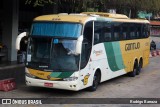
point(48, 84)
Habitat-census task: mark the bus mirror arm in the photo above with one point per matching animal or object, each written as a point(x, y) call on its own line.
point(79, 44)
point(19, 38)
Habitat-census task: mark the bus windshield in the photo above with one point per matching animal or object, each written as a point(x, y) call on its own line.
point(46, 54)
point(52, 46)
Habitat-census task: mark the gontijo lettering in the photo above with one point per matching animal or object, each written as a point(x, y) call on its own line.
point(132, 46)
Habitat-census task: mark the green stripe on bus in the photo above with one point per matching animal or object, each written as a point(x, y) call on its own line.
point(55, 74)
point(114, 55)
point(65, 74)
point(111, 56)
point(118, 55)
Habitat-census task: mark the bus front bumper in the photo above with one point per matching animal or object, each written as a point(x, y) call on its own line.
point(66, 85)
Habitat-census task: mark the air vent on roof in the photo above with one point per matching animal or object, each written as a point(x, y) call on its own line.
point(63, 14)
point(94, 15)
point(77, 14)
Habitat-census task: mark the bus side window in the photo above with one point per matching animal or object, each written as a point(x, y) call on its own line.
point(96, 38)
point(124, 31)
point(146, 30)
point(116, 35)
point(107, 36)
point(117, 31)
point(86, 44)
point(107, 32)
point(138, 31)
point(143, 31)
point(98, 27)
point(88, 32)
point(124, 35)
point(132, 31)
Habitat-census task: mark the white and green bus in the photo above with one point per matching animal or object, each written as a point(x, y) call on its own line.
point(77, 51)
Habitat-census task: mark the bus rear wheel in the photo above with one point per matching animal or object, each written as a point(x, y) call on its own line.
point(96, 81)
point(135, 70)
point(139, 67)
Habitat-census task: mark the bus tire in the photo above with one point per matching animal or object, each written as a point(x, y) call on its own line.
point(135, 68)
point(96, 81)
point(139, 67)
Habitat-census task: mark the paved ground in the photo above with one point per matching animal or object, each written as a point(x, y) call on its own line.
point(145, 85)
point(12, 70)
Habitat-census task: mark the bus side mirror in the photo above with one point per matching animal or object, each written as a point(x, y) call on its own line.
point(79, 44)
point(19, 38)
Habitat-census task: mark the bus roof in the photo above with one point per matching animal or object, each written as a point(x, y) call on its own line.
point(87, 16)
point(77, 18)
point(117, 17)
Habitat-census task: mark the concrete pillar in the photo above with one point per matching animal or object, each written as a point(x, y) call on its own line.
point(10, 27)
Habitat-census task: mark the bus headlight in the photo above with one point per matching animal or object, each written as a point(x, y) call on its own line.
point(30, 75)
point(70, 79)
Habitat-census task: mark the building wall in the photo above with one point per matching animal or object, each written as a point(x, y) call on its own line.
point(155, 31)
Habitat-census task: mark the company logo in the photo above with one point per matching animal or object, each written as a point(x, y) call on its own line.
point(6, 101)
point(85, 80)
point(21, 101)
point(132, 46)
point(98, 52)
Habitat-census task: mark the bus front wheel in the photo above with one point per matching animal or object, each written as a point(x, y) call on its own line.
point(96, 81)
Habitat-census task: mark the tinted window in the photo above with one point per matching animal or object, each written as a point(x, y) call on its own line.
point(125, 31)
point(139, 30)
point(132, 31)
point(88, 31)
point(107, 32)
point(87, 44)
point(117, 31)
point(98, 29)
point(146, 30)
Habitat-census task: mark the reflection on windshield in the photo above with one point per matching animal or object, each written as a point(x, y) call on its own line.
point(59, 56)
point(40, 50)
point(63, 57)
point(70, 46)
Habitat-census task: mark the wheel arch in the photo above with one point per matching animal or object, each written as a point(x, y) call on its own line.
point(99, 71)
point(135, 61)
point(141, 61)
